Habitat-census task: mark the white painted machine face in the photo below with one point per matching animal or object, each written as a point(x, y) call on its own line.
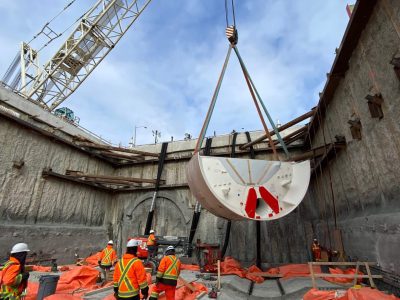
point(246, 188)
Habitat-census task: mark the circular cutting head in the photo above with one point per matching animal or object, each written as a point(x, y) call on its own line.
point(236, 189)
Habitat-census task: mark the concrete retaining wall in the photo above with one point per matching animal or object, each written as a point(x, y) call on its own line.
point(364, 179)
point(365, 176)
point(30, 201)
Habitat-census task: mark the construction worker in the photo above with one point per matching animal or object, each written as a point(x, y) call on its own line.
point(107, 259)
point(151, 244)
point(316, 250)
point(130, 275)
point(167, 275)
point(13, 278)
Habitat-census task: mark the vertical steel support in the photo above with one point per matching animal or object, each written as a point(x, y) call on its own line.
point(229, 224)
point(258, 224)
point(161, 161)
point(197, 207)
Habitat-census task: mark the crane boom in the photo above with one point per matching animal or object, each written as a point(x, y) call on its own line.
point(96, 35)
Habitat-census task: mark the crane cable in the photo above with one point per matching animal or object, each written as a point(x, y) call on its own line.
point(253, 90)
point(233, 39)
point(233, 13)
point(57, 35)
point(212, 104)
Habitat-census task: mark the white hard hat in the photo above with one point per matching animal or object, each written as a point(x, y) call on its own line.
point(110, 242)
point(151, 231)
point(133, 243)
point(20, 247)
point(170, 248)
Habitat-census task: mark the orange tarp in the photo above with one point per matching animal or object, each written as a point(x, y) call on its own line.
point(83, 277)
point(315, 294)
point(71, 283)
point(190, 267)
point(48, 269)
point(41, 268)
point(294, 270)
point(254, 269)
point(32, 290)
point(368, 294)
point(182, 293)
point(93, 260)
point(63, 297)
point(364, 293)
point(342, 280)
point(231, 266)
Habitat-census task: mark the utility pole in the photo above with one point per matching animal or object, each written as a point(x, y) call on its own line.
point(134, 134)
point(157, 135)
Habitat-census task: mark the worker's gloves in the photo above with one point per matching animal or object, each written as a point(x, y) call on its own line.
point(99, 262)
point(158, 279)
point(25, 276)
point(145, 292)
point(116, 292)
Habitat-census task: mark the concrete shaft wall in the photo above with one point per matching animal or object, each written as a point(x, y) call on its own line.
point(362, 181)
point(63, 218)
point(365, 177)
point(174, 210)
point(52, 216)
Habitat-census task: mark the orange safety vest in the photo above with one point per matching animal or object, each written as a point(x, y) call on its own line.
point(108, 256)
point(316, 250)
point(129, 276)
point(151, 240)
point(10, 280)
point(169, 270)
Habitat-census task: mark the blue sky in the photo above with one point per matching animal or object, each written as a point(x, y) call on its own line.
point(163, 71)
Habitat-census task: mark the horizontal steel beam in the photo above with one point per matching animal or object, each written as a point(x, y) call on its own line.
point(112, 148)
point(103, 178)
point(280, 128)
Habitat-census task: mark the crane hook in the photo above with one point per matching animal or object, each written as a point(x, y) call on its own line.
point(232, 34)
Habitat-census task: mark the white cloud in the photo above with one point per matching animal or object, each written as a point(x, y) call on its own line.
point(164, 71)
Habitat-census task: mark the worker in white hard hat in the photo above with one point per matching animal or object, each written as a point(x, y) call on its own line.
point(151, 244)
point(107, 259)
point(13, 278)
point(167, 275)
point(130, 275)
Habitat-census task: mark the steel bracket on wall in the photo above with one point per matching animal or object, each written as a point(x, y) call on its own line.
point(375, 105)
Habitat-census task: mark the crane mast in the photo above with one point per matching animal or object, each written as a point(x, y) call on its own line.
point(96, 35)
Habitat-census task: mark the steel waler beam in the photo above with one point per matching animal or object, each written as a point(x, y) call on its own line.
point(283, 127)
point(293, 135)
